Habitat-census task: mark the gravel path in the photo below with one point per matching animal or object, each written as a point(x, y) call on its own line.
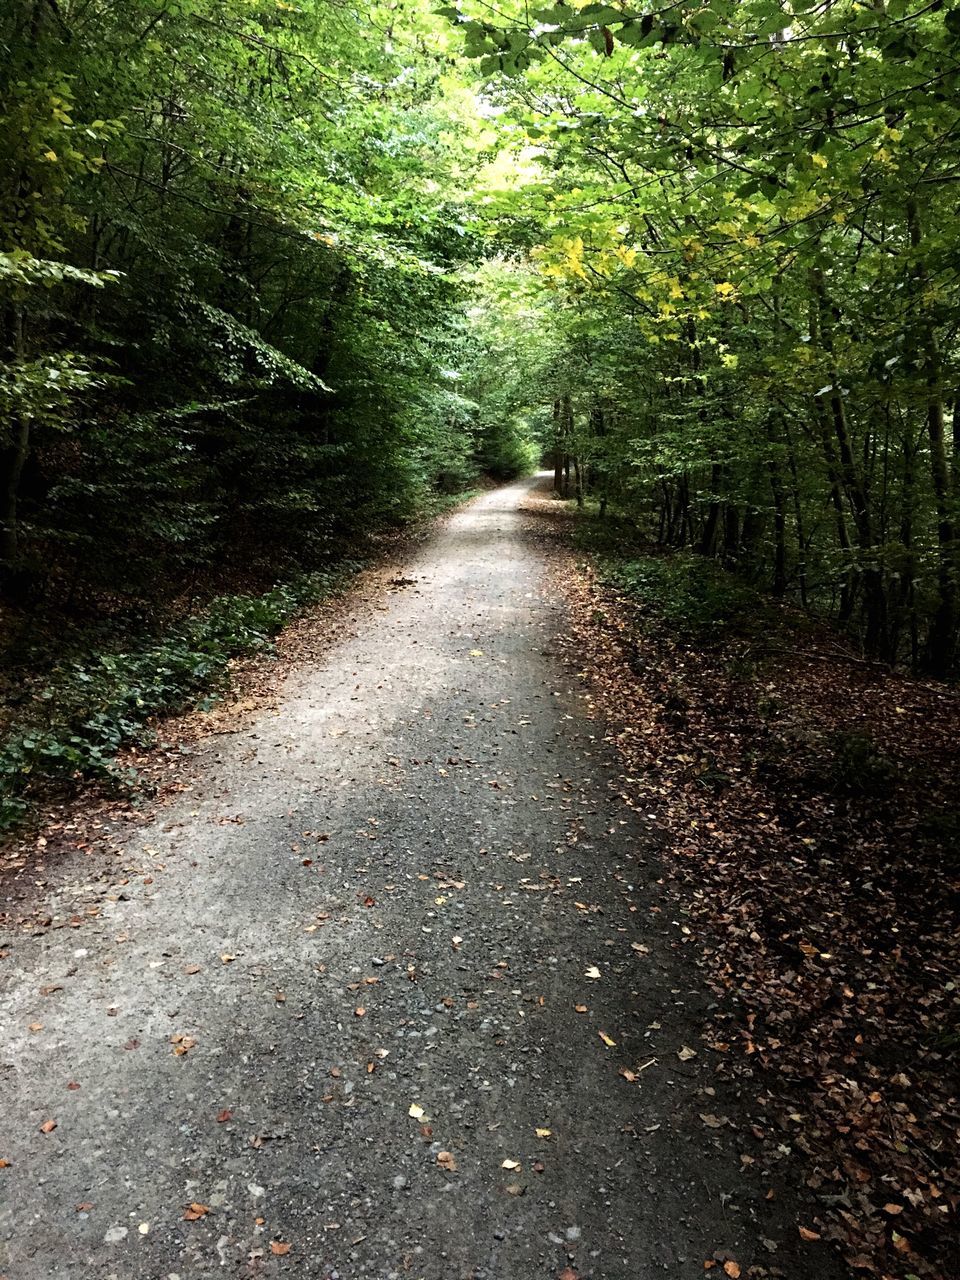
point(364, 998)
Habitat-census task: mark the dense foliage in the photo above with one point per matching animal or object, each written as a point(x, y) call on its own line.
point(745, 212)
point(231, 288)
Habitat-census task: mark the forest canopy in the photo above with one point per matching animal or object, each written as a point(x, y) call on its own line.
point(276, 274)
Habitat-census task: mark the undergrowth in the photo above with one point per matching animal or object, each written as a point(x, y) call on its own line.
point(88, 710)
point(692, 594)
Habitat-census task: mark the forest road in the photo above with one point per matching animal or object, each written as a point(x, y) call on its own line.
point(364, 996)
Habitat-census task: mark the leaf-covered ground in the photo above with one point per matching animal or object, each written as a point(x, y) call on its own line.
point(808, 813)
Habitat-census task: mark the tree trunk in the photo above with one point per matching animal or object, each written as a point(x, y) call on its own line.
point(779, 529)
point(17, 453)
point(708, 538)
point(557, 451)
point(940, 642)
point(850, 478)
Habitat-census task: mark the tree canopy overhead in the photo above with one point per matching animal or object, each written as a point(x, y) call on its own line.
point(274, 273)
point(746, 213)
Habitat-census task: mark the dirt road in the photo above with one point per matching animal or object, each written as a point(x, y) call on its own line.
point(392, 993)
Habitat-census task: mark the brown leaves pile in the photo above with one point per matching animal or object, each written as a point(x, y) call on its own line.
point(822, 914)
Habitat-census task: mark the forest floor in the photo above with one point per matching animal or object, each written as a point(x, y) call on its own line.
point(397, 977)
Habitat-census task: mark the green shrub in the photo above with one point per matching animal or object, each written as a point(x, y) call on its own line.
point(690, 592)
point(857, 765)
point(94, 708)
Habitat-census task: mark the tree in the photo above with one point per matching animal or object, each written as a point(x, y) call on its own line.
point(755, 206)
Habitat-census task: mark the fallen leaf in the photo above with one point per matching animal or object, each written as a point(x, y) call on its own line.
point(416, 1111)
point(732, 1269)
point(515, 1189)
point(510, 1164)
point(893, 1208)
point(48, 1126)
point(279, 1249)
point(567, 1273)
point(446, 1161)
point(712, 1121)
point(606, 1039)
point(191, 968)
point(360, 1012)
point(544, 1133)
point(807, 1234)
point(224, 1115)
point(580, 1008)
point(195, 1211)
point(72, 1086)
point(592, 972)
point(685, 1054)
point(227, 959)
point(5, 1164)
point(628, 1075)
point(84, 1207)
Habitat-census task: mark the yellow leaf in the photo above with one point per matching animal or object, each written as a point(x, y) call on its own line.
point(51, 156)
point(606, 1039)
point(544, 1133)
point(416, 1111)
point(820, 161)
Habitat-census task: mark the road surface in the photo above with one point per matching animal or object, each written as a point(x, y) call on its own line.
point(360, 1003)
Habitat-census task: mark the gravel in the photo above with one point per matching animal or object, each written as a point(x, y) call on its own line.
point(329, 991)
